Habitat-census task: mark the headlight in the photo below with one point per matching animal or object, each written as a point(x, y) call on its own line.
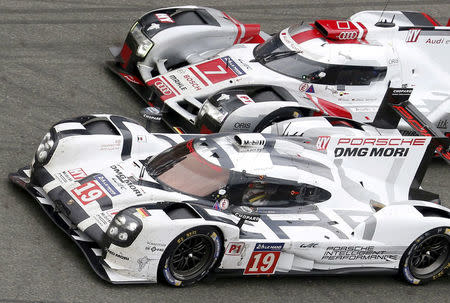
point(144, 44)
point(44, 148)
point(218, 114)
point(124, 228)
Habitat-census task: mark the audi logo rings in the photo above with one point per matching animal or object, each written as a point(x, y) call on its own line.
point(163, 88)
point(348, 35)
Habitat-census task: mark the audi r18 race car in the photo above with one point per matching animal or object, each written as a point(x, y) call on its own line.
point(210, 73)
point(146, 207)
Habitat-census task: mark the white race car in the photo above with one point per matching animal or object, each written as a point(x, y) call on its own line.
point(210, 73)
point(343, 197)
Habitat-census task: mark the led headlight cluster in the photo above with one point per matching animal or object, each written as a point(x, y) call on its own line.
point(124, 228)
point(144, 44)
point(217, 114)
point(44, 148)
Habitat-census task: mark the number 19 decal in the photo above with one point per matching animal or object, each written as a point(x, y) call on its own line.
point(262, 262)
point(88, 192)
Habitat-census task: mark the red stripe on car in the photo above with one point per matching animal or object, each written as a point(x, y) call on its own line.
point(198, 76)
point(251, 30)
point(125, 54)
point(306, 36)
point(429, 18)
point(235, 22)
point(334, 109)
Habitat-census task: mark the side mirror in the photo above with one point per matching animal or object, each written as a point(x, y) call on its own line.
point(245, 213)
point(152, 115)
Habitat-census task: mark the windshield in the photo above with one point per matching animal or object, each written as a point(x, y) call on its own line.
point(274, 55)
point(183, 169)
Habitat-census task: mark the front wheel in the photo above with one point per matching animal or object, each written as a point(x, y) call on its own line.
point(428, 257)
point(190, 256)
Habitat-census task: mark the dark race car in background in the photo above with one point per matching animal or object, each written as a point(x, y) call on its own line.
point(210, 73)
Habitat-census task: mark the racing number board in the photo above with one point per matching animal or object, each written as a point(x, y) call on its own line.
point(220, 69)
point(264, 259)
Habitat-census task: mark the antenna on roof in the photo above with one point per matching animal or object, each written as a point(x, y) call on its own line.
point(385, 23)
point(381, 16)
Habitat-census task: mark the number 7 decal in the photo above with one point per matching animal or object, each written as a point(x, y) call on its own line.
point(213, 72)
point(220, 69)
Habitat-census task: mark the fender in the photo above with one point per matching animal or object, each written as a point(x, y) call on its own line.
point(407, 219)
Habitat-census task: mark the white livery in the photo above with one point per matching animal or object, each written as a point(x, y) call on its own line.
point(210, 73)
point(316, 195)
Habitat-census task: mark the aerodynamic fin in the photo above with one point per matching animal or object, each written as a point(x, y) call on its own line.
point(396, 105)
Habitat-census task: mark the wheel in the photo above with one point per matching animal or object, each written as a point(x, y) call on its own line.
point(190, 256)
point(277, 116)
point(427, 258)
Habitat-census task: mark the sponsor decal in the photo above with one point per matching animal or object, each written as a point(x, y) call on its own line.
point(117, 255)
point(220, 69)
point(357, 253)
point(264, 259)
point(88, 192)
point(223, 97)
point(440, 41)
point(153, 26)
point(103, 219)
point(239, 125)
point(101, 179)
point(322, 142)
point(303, 87)
point(177, 82)
point(154, 249)
point(443, 124)
point(125, 180)
point(413, 35)
point(350, 35)
point(141, 139)
point(382, 141)
point(131, 78)
point(142, 262)
point(113, 146)
point(235, 248)
point(164, 18)
point(308, 245)
point(310, 89)
point(77, 173)
point(222, 204)
point(143, 212)
point(245, 99)
point(370, 147)
point(165, 90)
point(192, 82)
point(269, 246)
point(374, 152)
point(393, 61)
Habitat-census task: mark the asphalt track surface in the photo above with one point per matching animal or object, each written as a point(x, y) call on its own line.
point(52, 57)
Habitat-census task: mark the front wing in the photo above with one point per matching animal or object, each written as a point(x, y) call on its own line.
point(90, 248)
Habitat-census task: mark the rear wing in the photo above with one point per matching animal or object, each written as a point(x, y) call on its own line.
point(396, 105)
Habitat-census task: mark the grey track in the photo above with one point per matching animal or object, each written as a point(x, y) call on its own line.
point(52, 57)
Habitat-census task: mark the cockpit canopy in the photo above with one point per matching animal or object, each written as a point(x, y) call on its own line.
point(192, 168)
point(289, 53)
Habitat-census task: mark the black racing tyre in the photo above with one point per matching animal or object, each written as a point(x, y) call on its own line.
point(427, 258)
point(190, 256)
point(277, 116)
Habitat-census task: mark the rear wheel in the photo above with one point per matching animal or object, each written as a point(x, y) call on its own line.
point(190, 256)
point(428, 258)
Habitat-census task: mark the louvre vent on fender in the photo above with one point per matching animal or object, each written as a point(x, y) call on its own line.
point(180, 211)
point(432, 212)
